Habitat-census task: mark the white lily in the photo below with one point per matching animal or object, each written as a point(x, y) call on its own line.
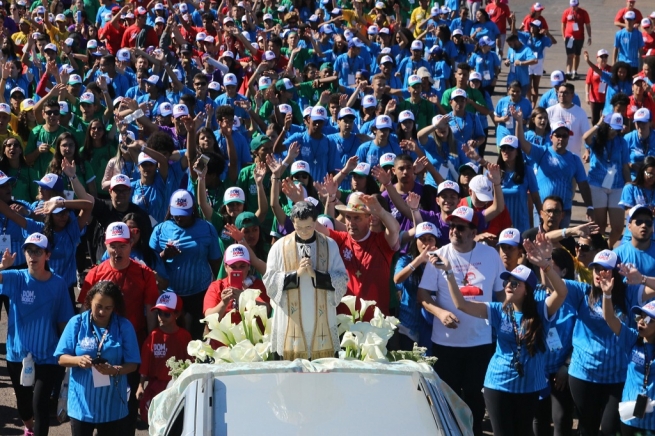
point(256, 333)
point(365, 304)
point(226, 325)
point(222, 354)
point(212, 321)
point(247, 299)
point(349, 300)
point(372, 340)
point(244, 351)
point(375, 354)
point(263, 349)
point(350, 340)
point(218, 335)
point(261, 312)
point(343, 323)
point(238, 333)
point(193, 348)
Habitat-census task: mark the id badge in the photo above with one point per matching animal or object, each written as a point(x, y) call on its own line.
point(512, 68)
point(437, 83)
point(553, 340)
point(510, 123)
point(602, 88)
point(351, 79)
point(608, 181)
point(5, 243)
point(69, 195)
point(99, 380)
point(569, 43)
point(576, 28)
point(486, 75)
point(453, 171)
point(536, 55)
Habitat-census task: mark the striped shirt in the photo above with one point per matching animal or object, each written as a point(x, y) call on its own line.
point(35, 309)
point(501, 372)
point(644, 260)
point(561, 329)
point(85, 402)
point(516, 197)
point(616, 154)
point(189, 272)
point(596, 356)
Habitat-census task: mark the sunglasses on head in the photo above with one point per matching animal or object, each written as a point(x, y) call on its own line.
point(645, 319)
point(511, 282)
point(647, 223)
point(585, 248)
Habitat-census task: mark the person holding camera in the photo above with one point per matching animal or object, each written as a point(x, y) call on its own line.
point(100, 347)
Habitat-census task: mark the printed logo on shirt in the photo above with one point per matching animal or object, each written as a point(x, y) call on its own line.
point(252, 189)
point(159, 350)
point(596, 312)
point(347, 254)
point(28, 297)
point(638, 357)
point(87, 343)
point(506, 326)
point(305, 151)
point(626, 40)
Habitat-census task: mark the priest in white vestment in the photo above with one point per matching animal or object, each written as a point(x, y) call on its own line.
point(305, 280)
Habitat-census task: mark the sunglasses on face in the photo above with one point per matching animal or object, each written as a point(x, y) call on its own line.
point(645, 319)
point(584, 248)
point(200, 84)
point(163, 314)
point(647, 223)
point(507, 148)
point(599, 269)
point(52, 113)
point(301, 176)
point(511, 282)
point(459, 227)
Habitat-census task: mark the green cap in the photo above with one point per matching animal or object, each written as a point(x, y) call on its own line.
point(246, 220)
point(325, 65)
point(258, 142)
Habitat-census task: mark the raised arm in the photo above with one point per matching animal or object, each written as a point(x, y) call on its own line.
point(69, 168)
point(606, 285)
point(539, 253)
point(205, 207)
point(85, 206)
point(498, 204)
point(473, 308)
point(392, 228)
point(237, 235)
point(262, 205)
point(384, 179)
point(526, 145)
point(12, 215)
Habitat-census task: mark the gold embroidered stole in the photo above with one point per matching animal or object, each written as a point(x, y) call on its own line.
point(295, 345)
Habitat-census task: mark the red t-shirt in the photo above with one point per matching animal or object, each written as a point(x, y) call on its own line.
point(593, 79)
point(634, 105)
point(496, 225)
point(570, 18)
point(649, 41)
point(528, 20)
point(158, 348)
point(213, 296)
point(619, 16)
point(129, 37)
point(499, 13)
point(282, 61)
point(368, 263)
point(112, 36)
point(139, 287)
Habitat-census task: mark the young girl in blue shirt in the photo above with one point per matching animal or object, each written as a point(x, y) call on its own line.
point(515, 374)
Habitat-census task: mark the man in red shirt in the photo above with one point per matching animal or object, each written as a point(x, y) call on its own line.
point(574, 21)
point(595, 88)
point(112, 32)
point(648, 34)
point(274, 45)
point(367, 255)
point(499, 13)
point(133, 36)
point(619, 21)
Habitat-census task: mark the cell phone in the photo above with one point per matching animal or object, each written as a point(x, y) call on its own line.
point(434, 253)
point(99, 361)
point(236, 279)
point(78, 19)
point(640, 406)
point(202, 164)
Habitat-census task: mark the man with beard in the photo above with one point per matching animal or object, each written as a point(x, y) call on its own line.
point(640, 251)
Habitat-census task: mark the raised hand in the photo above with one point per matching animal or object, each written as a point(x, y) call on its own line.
point(381, 175)
point(413, 200)
point(294, 150)
point(259, 172)
point(293, 191)
point(8, 259)
point(606, 281)
point(540, 251)
point(330, 185)
point(234, 233)
point(274, 165)
point(631, 273)
point(420, 164)
point(470, 152)
point(351, 164)
point(493, 173)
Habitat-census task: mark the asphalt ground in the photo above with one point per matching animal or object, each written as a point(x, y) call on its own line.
point(601, 13)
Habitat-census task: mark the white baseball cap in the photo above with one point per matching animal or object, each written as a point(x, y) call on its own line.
point(383, 122)
point(475, 76)
point(285, 108)
point(362, 169)
point(214, 86)
point(417, 45)
point(318, 113)
point(236, 253)
point(616, 121)
point(145, 158)
point(510, 236)
point(87, 97)
point(458, 93)
point(269, 55)
point(405, 115)
point(387, 159)
point(426, 228)
point(557, 77)
point(510, 140)
point(602, 52)
point(483, 188)
point(168, 302)
point(123, 55)
point(38, 239)
point(181, 203)
point(574, 2)
point(264, 82)
point(299, 166)
point(369, 101)
point(180, 110)
point(307, 111)
point(234, 194)
point(165, 109)
point(606, 259)
point(5, 108)
point(448, 184)
point(117, 232)
point(464, 213)
point(51, 181)
point(63, 107)
point(629, 15)
point(642, 115)
point(457, 32)
point(120, 179)
point(346, 112)
point(230, 80)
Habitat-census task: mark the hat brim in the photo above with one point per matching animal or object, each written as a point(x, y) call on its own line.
point(109, 241)
point(640, 310)
point(347, 209)
point(176, 211)
point(152, 161)
point(449, 218)
point(512, 243)
point(162, 308)
point(22, 247)
point(238, 259)
point(532, 283)
point(234, 200)
point(483, 197)
point(53, 188)
point(601, 263)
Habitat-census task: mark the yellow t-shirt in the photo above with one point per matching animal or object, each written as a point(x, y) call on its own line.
point(20, 38)
point(418, 16)
point(57, 35)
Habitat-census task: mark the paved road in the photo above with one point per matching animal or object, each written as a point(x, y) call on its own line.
point(602, 17)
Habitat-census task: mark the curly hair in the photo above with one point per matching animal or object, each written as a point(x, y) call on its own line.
point(106, 289)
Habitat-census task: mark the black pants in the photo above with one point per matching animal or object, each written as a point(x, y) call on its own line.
point(596, 112)
point(626, 430)
point(597, 405)
point(556, 408)
point(132, 403)
point(193, 308)
point(111, 428)
point(34, 401)
point(463, 369)
point(510, 414)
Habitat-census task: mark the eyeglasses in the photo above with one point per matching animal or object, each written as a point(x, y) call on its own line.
point(459, 227)
point(649, 174)
point(52, 113)
point(163, 314)
point(200, 84)
point(511, 282)
point(584, 248)
point(645, 319)
point(552, 212)
point(647, 223)
point(35, 252)
point(507, 148)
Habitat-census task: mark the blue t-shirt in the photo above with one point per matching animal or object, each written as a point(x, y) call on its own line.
point(316, 152)
point(464, 129)
point(62, 256)
point(516, 197)
point(629, 45)
point(86, 402)
point(486, 65)
point(639, 352)
point(370, 152)
point(503, 109)
point(561, 328)
point(464, 25)
point(520, 73)
point(501, 374)
point(537, 45)
point(241, 145)
point(35, 309)
point(555, 173)
point(639, 148)
point(152, 198)
point(643, 260)
point(631, 196)
point(617, 154)
point(346, 67)
point(408, 66)
point(550, 99)
point(189, 272)
point(488, 28)
point(596, 356)
point(441, 72)
point(439, 158)
point(409, 312)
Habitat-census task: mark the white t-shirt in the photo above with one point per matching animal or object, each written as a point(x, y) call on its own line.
point(576, 118)
point(483, 272)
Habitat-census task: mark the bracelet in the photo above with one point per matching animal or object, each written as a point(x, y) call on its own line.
point(387, 184)
point(284, 164)
point(449, 273)
point(607, 296)
point(563, 233)
point(643, 279)
point(590, 207)
point(547, 268)
point(411, 267)
point(73, 177)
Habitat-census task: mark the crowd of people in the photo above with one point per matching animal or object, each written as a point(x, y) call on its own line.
point(154, 152)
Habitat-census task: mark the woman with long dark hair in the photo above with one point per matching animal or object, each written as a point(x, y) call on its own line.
point(66, 147)
point(515, 374)
point(12, 163)
point(99, 148)
point(99, 340)
point(40, 310)
point(441, 149)
point(617, 80)
point(609, 171)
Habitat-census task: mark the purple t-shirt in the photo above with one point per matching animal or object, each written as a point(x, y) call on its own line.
point(443, 227)
point(180, 143)
point(405, 223)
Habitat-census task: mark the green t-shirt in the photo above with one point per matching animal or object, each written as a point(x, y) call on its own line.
point(214, 195)
point(307, 90)
point(267, 109)
point(423, 112)
point(84, 174)
point(471, 93)
point(40, 135)
point(99, 159)
point(25, 189)
point(301, 58)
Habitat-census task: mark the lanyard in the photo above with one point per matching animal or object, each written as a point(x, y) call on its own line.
point(647, 363)
point(5, 222)
point(516, 361)
point(95, 335)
